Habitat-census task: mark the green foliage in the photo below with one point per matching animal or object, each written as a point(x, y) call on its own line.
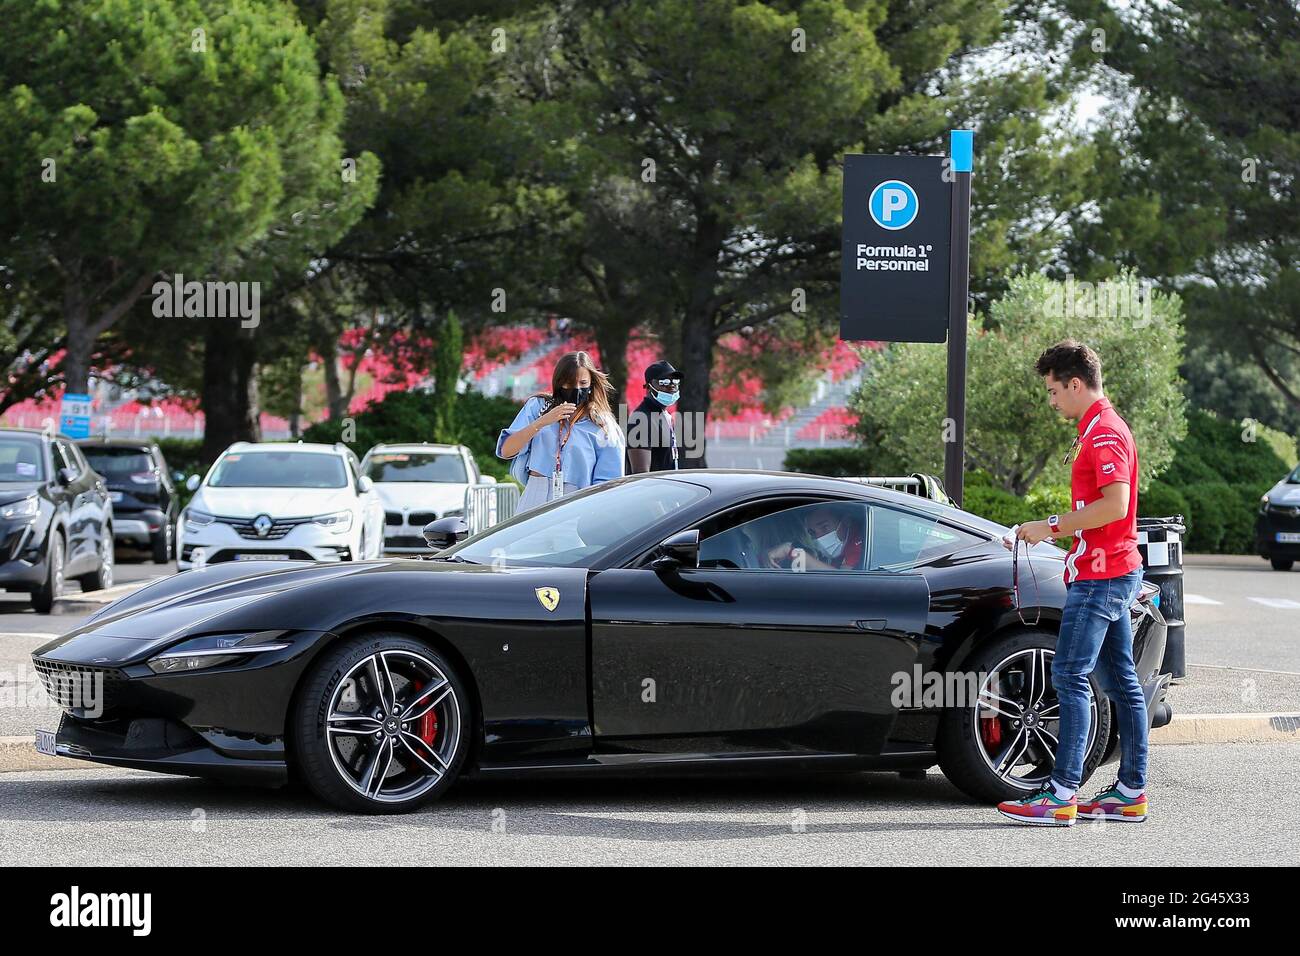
point(409, 417)
point(1162, 500)
point(1011, 432)
point(833, 462)
point(1218, 450)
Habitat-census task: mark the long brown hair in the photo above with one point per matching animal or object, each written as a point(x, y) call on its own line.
point(597, 408)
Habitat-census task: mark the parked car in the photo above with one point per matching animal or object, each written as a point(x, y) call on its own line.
point(531, 646)
point(56, 518)
point(1277, 529)
point(282, 502)
point(419, 483)
point(140, 486)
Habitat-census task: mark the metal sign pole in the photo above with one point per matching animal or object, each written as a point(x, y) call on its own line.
point(954, 454)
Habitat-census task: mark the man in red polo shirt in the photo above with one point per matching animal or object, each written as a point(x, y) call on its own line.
point(1103, 575)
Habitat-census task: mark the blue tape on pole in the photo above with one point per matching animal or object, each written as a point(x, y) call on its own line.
point(961, 147)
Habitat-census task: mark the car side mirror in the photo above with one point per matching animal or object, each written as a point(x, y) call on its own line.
point(67, 476)
point(192, 483)
point(682, 550)
point(445, 532)
point(487, 480)
point(364, 485)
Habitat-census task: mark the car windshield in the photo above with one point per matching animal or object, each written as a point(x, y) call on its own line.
point(279, 469)
point(21, 459)
point(575, 531)
point(118, 462)
point(416, 466)
point(1294, 477)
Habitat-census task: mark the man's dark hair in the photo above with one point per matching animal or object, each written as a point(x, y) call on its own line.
point(1070, 359)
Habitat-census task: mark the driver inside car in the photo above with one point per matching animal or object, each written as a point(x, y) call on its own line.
point(835, 541)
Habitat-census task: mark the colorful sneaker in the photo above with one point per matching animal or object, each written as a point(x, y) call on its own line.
point(1041, 808)
point(1113, 805)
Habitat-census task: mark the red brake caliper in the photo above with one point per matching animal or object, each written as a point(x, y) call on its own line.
point(428, 727)
point(991, 731)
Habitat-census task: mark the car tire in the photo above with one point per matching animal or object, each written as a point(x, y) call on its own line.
point(101, 578)
point(1282, 564)
point(969, 751)
point(161, 545)
point(344, 689)
point(52, 588)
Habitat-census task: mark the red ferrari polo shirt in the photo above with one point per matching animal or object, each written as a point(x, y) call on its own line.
point(1106, 453)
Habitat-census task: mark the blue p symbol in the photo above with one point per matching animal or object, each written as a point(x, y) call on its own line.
point(893, 204)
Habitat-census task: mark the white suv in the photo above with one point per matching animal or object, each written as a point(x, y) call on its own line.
point(419, 483)
point(282, 502)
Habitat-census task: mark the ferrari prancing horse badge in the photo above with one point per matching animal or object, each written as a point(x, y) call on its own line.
point(549, 597)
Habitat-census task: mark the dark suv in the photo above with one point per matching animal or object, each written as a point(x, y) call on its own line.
point(56, 519)
point(144, 498)
point(1277, 529)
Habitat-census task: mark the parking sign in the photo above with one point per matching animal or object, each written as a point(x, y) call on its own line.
point(74, 416)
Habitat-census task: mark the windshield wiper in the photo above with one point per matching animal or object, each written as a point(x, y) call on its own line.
point(454, 557)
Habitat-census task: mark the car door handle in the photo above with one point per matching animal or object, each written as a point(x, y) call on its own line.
point(872, 624)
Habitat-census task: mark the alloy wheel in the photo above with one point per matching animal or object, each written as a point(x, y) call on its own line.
point(393, 726)
point(1017, 719)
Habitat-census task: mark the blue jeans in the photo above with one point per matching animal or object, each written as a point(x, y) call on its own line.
point(1096, 634)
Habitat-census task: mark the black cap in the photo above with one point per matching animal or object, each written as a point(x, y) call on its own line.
point(661, 369)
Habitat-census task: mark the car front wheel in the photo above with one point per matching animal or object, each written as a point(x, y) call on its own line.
point(51, 588)
point(381, 725)
point(1282, 564)
point(1002, 743)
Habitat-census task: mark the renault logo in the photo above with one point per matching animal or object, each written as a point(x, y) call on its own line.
point(262, 525)
point(549, 597)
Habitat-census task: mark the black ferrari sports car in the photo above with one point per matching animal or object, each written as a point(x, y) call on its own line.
point(706, 621)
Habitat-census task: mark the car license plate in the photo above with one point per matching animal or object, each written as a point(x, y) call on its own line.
point(261, 557)
point(115, 496)
point(45, 743)
point(1288, 537)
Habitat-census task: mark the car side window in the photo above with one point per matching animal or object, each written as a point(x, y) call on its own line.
point(903, 540)
point(818, 536)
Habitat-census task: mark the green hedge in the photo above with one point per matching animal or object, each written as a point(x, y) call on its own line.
point(409, 417)
point(850, 462)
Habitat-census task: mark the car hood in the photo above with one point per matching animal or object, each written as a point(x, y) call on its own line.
point(12, 491)
point(277, 502)
point(421, 495)
point(226, 597)
point(1284, 493)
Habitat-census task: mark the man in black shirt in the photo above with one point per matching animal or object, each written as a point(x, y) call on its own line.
point(651, 438)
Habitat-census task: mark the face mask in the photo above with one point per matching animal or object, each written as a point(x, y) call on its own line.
point(575, 396)
point(830, 544)
point(665, 398)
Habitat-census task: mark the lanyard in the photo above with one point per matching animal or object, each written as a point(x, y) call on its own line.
point(1015, 581)
point(557, 474)
point(672, 439)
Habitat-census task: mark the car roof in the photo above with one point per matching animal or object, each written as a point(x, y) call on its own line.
point(314, 448)
point(30, 432)
point(102, 442)
point(741, 480)
point(412, 447)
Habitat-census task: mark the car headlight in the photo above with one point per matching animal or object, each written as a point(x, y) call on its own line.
point(213, 651)
point(338, 522)
point(29, 507)
point(197, 519)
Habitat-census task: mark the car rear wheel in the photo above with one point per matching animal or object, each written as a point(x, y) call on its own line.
point(381, 725)
point(44, 596)
point(1003, 744)
point(1282, 564)
point(101, 578)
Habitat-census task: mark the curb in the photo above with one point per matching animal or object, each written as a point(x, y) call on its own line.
point(1229, 729)
point(18, 754)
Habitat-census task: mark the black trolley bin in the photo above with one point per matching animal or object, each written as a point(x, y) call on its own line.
point(1160, 541)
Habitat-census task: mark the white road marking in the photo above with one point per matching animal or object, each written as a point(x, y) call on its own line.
point(1284, 603)
point(1198, 599)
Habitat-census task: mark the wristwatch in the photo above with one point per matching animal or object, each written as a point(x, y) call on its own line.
point(1054, 522)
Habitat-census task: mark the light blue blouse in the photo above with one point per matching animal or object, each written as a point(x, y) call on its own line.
point(589, 456)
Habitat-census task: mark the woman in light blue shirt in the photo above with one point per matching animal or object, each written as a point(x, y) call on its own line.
point(567, 439)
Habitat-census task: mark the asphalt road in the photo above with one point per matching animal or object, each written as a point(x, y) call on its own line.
point(1231, 805)
point(1222, 805)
